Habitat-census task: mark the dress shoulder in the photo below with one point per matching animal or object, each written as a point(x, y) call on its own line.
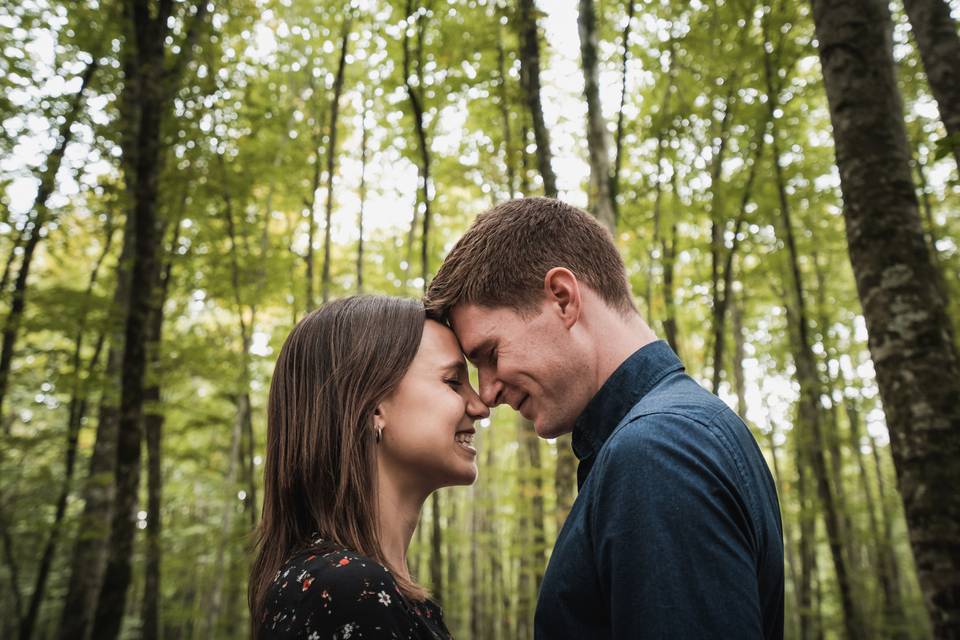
point(325, 592)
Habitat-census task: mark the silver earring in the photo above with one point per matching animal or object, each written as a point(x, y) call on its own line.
point(379, 433)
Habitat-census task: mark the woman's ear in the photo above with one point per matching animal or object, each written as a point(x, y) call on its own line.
point(560, 287)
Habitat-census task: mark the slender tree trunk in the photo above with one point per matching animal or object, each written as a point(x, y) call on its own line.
point(530, 79)
point(789, 544)
point(363, 192)
point(76, 412)
point(93, 532)
point(882, 547)
point(722, 288)
point(538, 541)
point(717, 227)
point(153, 430)
point(668, 250)
point(332, 151)
point(415, 95)
point(618, 138)
point(910, 336)
point(811, 436)
point(220, 571)
point(13, 567)
point(504, 106)
point(32, 233)
point(436, 549)
point(601, 199)
point(939, 44)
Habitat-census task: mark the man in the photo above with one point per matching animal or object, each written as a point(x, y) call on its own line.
point(675, 532)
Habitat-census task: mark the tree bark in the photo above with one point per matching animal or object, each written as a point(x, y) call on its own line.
point(530, 79)
point(332, 152)
point(504, 106)
point(910, 339)
point(939, 44)
point(601, 199)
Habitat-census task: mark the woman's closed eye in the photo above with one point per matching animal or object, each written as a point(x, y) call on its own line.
point(453, 382)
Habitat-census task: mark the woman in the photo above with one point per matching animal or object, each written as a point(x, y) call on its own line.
point(370, 411)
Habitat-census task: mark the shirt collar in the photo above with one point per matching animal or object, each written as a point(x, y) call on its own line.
point(632, 380)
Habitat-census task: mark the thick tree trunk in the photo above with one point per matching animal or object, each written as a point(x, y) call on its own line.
point(910, 339)
point(332, 152)
point(76, 412)
point(601, 200)
point(530, 79)
point(939, 44)
point(32, 232)
point(149, 92)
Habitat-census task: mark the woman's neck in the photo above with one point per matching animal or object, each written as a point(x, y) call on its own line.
point(398, 511)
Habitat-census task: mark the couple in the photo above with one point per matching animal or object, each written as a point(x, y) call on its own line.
point(675, 532)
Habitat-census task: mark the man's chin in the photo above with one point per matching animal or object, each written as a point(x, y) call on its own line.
point(548, 430)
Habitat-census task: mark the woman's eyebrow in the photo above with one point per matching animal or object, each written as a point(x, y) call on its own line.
point(456, 366)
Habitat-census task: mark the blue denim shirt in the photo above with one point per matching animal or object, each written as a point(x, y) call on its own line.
point(676, 530)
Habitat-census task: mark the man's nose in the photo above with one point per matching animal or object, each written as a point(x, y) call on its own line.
point(490, 388)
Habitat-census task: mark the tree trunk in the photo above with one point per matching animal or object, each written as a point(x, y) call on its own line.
point(618, 139)
point(810, 419)
point(415, 95)
point(147, 89)
point(601, 200)
point(363, 192)
point(882, 547)
point(436, 549)
point(33, 229)
point(332, 152)
point(723, 287)
point(939, 44)
point(504, 106)
point(153, 429)
point(93, 532)
point(76, 412)
point(530, 79)
point(910, 339)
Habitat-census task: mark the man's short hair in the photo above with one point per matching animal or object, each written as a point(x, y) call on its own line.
point(503, 257)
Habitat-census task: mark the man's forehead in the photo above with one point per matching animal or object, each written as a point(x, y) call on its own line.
point(474, 324)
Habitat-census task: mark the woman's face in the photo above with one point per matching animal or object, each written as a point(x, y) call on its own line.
point(428, 420)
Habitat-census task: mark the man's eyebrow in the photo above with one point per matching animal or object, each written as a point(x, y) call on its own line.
point(474, 353)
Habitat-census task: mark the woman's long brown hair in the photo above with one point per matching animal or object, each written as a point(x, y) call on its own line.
point(335, 367)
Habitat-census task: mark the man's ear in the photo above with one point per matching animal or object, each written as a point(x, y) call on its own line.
point(560, 288)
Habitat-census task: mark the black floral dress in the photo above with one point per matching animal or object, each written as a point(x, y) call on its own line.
point(326, 592)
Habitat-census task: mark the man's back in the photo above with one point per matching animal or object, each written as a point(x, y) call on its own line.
point(676, 530)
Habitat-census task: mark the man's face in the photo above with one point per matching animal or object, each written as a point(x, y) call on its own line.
point(532, 364)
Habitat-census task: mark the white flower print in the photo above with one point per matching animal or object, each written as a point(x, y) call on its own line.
point(314, 636)
point(384, 598)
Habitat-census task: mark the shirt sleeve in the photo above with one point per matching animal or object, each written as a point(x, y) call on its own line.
point(339, 596)
point(674, 543)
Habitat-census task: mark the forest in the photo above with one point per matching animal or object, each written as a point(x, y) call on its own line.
point(182, 180)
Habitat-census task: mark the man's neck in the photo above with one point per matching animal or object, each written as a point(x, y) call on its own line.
point(617, 338)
